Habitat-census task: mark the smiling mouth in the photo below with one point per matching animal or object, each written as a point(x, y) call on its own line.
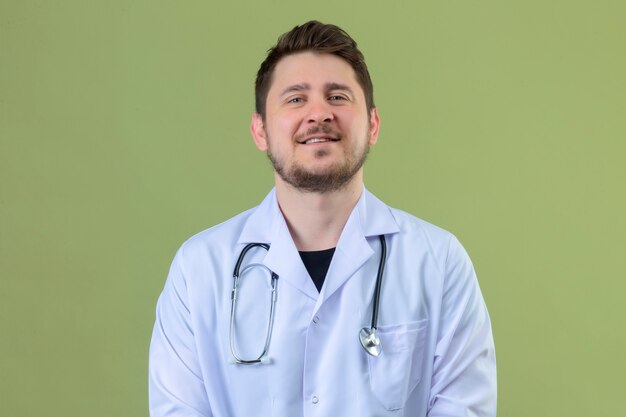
point(318, 140)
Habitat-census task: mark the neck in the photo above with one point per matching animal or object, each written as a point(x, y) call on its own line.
point(316, 220)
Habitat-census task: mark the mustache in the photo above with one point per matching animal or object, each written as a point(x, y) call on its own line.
point(314, 130)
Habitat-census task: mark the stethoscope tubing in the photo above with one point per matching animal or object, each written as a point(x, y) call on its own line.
point(371, 336)
point(236, 274)
point(379, 281)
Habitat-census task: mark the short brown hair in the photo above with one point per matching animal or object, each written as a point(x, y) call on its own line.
point(320, 38)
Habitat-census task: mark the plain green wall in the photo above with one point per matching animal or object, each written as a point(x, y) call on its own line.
point(124, 130)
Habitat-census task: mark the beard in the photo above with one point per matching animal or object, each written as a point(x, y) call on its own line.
point(325, 180)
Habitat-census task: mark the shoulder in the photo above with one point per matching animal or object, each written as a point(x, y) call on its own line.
point(427, 245)
point(219, 236)
point(425, 236)
point(413, 235)
point(409, 223)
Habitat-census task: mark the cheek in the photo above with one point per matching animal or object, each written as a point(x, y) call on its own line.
point(354, 121)
point(359, 131)
point(283, 127)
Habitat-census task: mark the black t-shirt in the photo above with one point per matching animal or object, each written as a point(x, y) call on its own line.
point(317, 263)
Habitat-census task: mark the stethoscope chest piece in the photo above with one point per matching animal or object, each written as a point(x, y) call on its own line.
point(370, 341)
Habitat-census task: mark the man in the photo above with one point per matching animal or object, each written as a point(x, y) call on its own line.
point(376, 313)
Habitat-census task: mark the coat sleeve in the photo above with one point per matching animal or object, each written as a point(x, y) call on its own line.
point(464, 370)
point(176, 386)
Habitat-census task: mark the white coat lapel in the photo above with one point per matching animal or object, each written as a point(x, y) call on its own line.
point(370, 217)
point(283, 258)
point(267, 225)
point(351, 253)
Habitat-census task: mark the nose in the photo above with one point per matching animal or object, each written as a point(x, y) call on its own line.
point(320, 112)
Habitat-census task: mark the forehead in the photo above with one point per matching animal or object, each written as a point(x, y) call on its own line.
point(313, 69)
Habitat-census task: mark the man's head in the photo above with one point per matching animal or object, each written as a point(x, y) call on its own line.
point(319, 38)
point(315, 118)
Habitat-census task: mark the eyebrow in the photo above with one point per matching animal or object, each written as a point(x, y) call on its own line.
point(328, 87)
point(295, 88)
point(340, 87)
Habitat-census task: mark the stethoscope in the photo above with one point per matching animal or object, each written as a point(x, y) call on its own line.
point(368, 337)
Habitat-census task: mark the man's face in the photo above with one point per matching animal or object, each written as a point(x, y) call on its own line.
point(317, 130)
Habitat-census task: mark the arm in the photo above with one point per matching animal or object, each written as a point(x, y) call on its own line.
point(176, 387)
point(464, 371)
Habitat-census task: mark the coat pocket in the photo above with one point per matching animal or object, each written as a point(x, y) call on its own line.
point(398, 369)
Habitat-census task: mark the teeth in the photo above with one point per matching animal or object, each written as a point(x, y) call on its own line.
point(316, 140)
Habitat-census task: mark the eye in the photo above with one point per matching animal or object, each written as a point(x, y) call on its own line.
point(295, 100)
point(337, 98)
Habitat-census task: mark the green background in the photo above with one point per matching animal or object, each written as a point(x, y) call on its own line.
point(124, 130)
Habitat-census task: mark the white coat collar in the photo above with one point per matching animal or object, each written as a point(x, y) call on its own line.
point(370, 217)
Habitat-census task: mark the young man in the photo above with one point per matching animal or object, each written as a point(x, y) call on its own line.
point(343, 306)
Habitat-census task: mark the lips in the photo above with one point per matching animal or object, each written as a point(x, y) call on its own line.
point(309, 141)
point(317, 134)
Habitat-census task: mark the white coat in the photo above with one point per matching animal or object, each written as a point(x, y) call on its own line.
point(437, 348)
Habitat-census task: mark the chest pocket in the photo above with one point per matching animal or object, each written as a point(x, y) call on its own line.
point(398, 369)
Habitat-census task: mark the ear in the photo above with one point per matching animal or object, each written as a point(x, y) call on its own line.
point(257, 128)
point(374, 126)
